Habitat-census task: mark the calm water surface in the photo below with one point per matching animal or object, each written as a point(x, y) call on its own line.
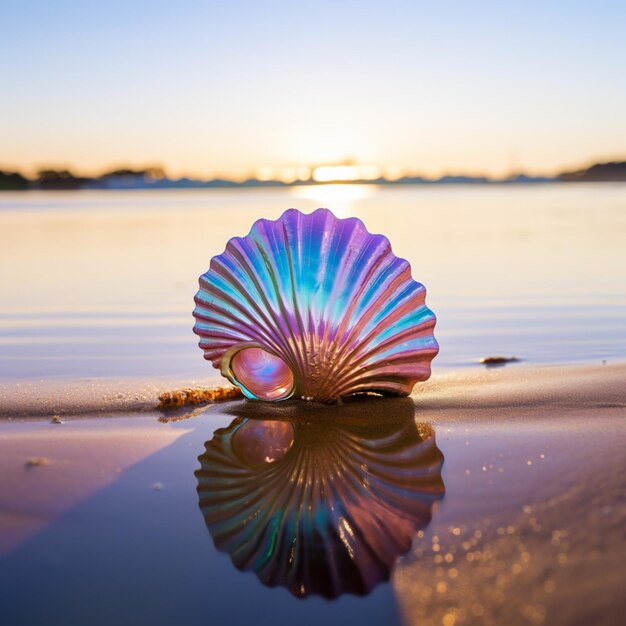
point(102, 283)
point(247, 521)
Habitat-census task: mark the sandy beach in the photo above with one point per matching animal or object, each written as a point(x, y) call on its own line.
point(533, 468)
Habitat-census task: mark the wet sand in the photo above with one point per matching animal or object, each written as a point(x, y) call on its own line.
point(529, 530)
point(511, 388)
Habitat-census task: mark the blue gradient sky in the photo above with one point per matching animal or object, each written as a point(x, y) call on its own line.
point(208, 88)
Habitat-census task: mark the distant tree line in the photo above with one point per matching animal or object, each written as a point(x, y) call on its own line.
point(155, 178)
point(598, 173)
point(13, 181)
point(66, 180)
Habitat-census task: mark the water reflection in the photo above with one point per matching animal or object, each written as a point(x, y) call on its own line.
point(322, 500)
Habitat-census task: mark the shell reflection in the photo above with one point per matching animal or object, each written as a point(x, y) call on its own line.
point(321, 504)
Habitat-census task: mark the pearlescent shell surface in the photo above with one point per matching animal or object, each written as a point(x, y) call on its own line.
point(327, 298)
point(321, 505)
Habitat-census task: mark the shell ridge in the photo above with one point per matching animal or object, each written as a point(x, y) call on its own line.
point(323, 279)
point(366, 277)
point(362, 371)
point(384, 310)
point(357, 223)
point(350, 232)
point(271, 247)
point(394, 382)
point(320, 293)
point(368, 261)
point(247, 298)
point(225, 330)
point(362, 351)
point(344, 361)
point(307, 296)
point(304, 275)
point(288, 354)
point(411, 344)
point(323, 351)
point(350, 346)
point(238, 269)
point(267, 312)
point(278, 239)
point(300, 357)
point(223, 300)
point(229, 336)
point(402, 332)
point(276, 262)
point(257, 259)
point(220, 318)
point(353, 296)
point(239, 258)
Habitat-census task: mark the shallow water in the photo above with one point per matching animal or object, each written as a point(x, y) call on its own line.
point(473, 519)
point(102, 283)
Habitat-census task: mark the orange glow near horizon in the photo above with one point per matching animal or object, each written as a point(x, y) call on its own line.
point(285, 174)
point(239, 90)
point(327, 173)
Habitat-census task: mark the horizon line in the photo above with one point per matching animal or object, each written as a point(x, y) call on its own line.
point(346, 171)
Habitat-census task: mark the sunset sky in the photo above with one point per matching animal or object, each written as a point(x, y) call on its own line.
point(235, 88)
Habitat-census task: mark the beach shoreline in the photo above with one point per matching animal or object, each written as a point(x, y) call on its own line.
point(507, 387)
point(534, 471)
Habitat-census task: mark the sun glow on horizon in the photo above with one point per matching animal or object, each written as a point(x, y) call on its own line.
point(328, 173)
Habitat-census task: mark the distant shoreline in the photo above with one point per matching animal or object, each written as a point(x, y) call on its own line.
point(155, 178)
point(281, 185)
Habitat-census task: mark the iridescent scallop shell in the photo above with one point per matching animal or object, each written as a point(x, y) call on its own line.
point(315, 307)
point(323, 504)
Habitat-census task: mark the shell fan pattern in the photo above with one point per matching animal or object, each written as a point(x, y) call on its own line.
point(314, 307)
point(320, 507)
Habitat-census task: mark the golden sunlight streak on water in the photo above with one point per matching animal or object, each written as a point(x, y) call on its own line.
point(340, 197)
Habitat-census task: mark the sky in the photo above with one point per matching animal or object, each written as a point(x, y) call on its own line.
point(234, 88)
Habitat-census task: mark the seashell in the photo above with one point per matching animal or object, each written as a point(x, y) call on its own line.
point(315, 307)
point(321, 506)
